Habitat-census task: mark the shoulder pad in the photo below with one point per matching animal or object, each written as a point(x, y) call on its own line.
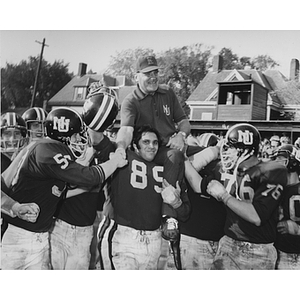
point(47, 150)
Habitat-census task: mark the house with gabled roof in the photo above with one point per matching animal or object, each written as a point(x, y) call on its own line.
point(243, 92)
point(74, 93)
point(224, 97)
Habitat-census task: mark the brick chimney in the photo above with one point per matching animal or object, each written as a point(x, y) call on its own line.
point(82, 69)
point(217, 63)
point(294, 70)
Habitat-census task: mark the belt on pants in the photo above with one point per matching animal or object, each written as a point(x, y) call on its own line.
point(249, 245)
point(80, 228)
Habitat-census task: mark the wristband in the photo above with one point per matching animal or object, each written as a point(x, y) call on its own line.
point(226, 198)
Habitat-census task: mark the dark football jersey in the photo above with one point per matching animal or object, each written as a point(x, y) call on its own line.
point(262, 184)
point(290, 210)
point(42, 178)
point(207, 218)
point(136, 194)
point(81, 210)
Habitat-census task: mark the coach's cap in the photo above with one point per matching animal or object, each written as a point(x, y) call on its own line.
point(146, 64)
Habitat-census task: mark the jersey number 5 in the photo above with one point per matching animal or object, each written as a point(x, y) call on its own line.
point(62, 160)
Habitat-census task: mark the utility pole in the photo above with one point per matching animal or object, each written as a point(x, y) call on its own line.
point(37, 73)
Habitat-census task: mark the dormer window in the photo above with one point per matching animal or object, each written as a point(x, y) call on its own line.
point(232, 94)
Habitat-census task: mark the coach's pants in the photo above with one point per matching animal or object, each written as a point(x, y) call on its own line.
point(25, 250)
point(70, 246)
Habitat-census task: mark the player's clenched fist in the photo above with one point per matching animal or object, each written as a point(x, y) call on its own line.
point(121, 151)
point(118, 158)
point(288, 227)
point(26, 211)
point(216, 190)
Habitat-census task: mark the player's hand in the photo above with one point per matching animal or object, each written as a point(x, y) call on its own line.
point(288, 227)
point(216, 190)
point(121, 151)
point(171, 195)
point(176, 142)
point(26, 211)
point(119, 159)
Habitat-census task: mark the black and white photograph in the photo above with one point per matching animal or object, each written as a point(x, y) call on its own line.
point(165, 148)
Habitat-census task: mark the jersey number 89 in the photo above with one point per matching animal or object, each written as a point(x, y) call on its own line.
point(138, 177)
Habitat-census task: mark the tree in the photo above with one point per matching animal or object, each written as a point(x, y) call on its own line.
point(183, 69)
point(230, 60)
point(264, 62)
point(124, 63)
point(18, 81)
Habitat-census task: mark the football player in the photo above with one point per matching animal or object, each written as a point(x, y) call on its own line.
point(251, 190)
point(288, 237)
point(201, 233)
point(35, 118)
point(13, 137)
point(13, 140)
point(137, 194)
point(73, 231)
point(47, 169)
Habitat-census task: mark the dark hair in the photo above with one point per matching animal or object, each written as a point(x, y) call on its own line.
point(138, 132)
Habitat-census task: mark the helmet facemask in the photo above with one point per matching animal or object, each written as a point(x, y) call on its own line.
point(78, 143)
point(12, 145)
point(33, 133)
point(232, 157)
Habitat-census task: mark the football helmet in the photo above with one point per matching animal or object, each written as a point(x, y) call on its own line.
point(275, 138)
point(35, 114)
point(11, 121)
point(285, 140)
point(245, 138)
point(291, 155)
point(100, 109)
point(275, 141)
point(62, 123)
point(207, 140)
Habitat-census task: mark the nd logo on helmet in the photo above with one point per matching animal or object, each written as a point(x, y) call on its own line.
point(246, 137)
point(61, 124)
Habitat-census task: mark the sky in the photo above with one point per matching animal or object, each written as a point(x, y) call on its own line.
point(96, 47)
point(95, 33)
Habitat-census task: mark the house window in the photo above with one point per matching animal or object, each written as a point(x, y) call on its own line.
point(80, 93)
point(235, 95)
